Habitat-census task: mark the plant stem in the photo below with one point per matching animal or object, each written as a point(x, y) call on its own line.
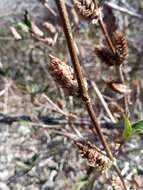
point(85, 96)
point(105, 32)
point(117, 66)
point(100, 97)
point(120, 71)
point(79, 75)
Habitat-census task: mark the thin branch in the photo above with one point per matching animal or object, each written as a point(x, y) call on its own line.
point(57, 109)
point(124, 10)
point(85, 96)
point(105, 32)
point(50, 10)
point(98, 93)
point(79, 75)
point(56, 131)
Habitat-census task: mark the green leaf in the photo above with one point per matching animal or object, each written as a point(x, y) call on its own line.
point(127, 132)
point(137, 127)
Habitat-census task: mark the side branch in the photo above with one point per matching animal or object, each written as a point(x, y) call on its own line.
point(79, 75)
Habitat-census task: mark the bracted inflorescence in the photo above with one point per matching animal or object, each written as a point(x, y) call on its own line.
point(89, 152)
point(121, 50)
point(63, 75)
point(105, 55)
point(88, 9)
point(121, 46)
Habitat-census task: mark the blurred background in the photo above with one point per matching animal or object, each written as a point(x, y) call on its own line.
point(33, 109)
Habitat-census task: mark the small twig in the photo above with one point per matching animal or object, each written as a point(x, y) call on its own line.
point(56, 131)
point(63, 113)
point(98, 93)
point(55, 106)
point(124, 10)
point(50, 10)
point(117, 66)
point(75, 130)
point(126, 96)
point(105, 32)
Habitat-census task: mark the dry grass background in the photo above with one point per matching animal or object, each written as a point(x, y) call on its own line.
point(32, 155)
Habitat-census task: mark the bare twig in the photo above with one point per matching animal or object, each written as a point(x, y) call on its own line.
point(124, 10)
point(56, 131)
point(79, 75)
point(105, 32)
point(95, 87)
point(50, 10)
point(55, 106)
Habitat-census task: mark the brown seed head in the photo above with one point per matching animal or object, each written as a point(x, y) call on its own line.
point(89, 152)
point(121, 46)
point(88, 9)
point(119, 87)
point(63, 75)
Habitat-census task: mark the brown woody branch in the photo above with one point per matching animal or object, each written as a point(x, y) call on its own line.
point(84, 93)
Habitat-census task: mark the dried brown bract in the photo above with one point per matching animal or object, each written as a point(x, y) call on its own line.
point(88, 9)
point(106, 55)
point(49, 27)
point(119, 87)
point(15, 33)
point(89, 152)
point(121, 46)
point(64, 76)
point(47, 40)
point(36, 30)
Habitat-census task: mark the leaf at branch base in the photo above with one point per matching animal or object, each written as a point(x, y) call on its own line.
point(119, 87)
point(127, 132)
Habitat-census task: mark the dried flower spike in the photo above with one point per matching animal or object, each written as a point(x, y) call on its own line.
point(64, 76)
point(89, 152)
point(121, 46)
point(105, 55)
point(88, 9)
